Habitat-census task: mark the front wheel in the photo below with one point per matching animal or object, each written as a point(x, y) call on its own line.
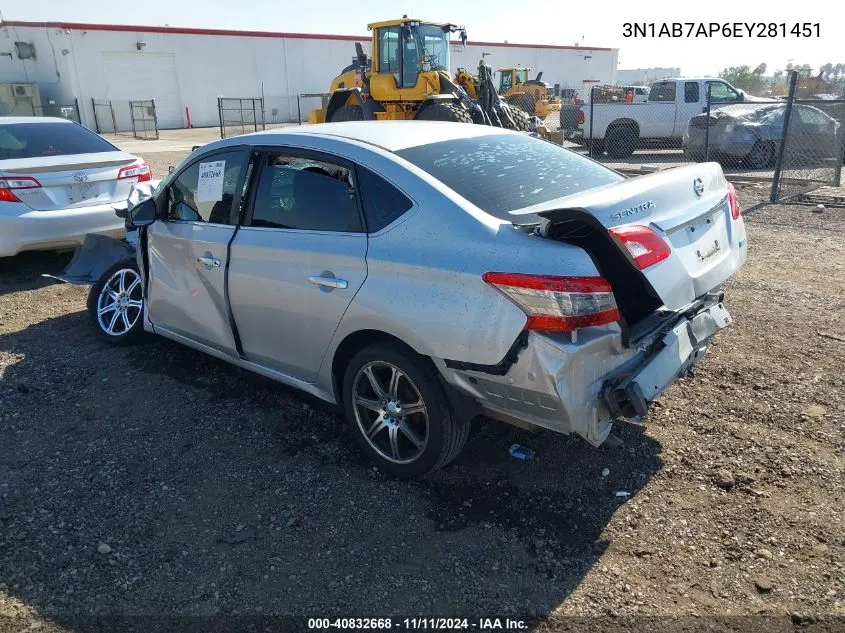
point(116, 304)
point(762, 155)
point(399, 412)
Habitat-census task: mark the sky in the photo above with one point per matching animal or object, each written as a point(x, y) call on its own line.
point(600, 23)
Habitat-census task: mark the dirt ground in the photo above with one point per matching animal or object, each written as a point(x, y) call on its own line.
point(153, 480)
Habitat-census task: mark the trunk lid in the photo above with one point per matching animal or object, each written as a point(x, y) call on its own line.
point(71, 181)
point(687, 207)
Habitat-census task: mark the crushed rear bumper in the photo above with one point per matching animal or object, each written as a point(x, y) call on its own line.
point(582, 384)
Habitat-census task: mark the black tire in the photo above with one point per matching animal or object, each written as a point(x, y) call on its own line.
point(347, 113)
point(444, 112)
point(445, 435)
point(524, 122)
point(524, 101)
point(762, 155)
point(620, 142)
point(97, 299)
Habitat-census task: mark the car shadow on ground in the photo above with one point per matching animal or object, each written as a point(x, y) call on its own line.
point(156, 480)
point(23, 271)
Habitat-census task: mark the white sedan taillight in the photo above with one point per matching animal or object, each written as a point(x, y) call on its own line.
point(9, 185)
point(141, 172)
point(558, 304)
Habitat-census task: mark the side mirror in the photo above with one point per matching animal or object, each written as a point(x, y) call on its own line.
point(171, 169)
point(142, 214)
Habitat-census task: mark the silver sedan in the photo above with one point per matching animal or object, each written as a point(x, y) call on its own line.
point(418, 274)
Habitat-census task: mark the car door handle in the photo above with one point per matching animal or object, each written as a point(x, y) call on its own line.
point(329, 282)
point(209, 262)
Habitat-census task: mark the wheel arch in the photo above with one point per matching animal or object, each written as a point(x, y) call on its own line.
point(624, 122)
point(355, 96)
point(354, 342)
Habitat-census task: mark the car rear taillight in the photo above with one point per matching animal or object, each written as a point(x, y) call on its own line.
point(558, 304)
point(9, 185)
point(645, 246)
point(581, 117)
point(141, 172)
point(733, 202)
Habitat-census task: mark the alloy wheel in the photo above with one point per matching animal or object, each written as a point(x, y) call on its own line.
point(120, 303)
point(390, 412)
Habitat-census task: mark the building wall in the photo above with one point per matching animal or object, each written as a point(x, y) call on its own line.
point(644, 76)
point(190, 67)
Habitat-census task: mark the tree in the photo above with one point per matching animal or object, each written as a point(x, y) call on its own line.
point(743, 77)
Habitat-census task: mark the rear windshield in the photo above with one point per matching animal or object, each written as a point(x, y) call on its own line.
point(34, 140)
point(502, 173)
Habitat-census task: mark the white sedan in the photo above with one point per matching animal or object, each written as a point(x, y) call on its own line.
point(59, 181)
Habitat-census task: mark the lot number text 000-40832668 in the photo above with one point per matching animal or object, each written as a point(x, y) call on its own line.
point(723, 29)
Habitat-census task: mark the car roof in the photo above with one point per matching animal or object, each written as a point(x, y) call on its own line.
point(32, 119)
point(390, 135)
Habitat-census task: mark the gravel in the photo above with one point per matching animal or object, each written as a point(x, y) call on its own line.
point(156, 480)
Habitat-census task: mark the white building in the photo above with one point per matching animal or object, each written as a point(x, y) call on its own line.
point(644, 76)
point(185, 70)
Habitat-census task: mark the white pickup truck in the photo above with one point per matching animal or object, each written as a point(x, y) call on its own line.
point(621, 128)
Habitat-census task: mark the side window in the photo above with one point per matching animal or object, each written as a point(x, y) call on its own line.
point(205, 191)
point(812, 117)
point(383, 202)
point(662, 91)
point(505, 82)
point(690, 92)
point(300, 193)
point(388, 50)
point(722, 92)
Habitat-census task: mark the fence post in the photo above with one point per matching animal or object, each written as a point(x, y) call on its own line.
point(840, 157)
point(78, 113)
point(787, 115)
point(155, 116)
point(707, 129)
point(220, 115)
point(592, 101)
point(113, 118)
point(298, 110)
point(263, 112)
point(254, 117)
point(132, 117)
point(96, 120)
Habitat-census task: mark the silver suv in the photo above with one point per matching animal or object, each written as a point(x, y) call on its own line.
point(418, 274)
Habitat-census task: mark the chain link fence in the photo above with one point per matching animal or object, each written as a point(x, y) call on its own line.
point(797, 145)
point(68, 111)
point(136, 119)
point(240, 115)
point(144, 119)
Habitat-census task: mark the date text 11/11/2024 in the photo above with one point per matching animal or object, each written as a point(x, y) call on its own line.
point(418, 624)
point(721, 29)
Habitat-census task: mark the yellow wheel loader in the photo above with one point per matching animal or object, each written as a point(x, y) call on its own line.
point(407, 77)
point(531, 95)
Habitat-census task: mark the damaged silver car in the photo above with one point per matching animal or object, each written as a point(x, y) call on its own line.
point(420, 273)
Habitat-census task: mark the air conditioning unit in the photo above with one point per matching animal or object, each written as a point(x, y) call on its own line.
point(22, 90)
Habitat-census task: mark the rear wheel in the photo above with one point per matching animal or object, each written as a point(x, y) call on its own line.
point(444, 112)
point(116, 304)
point(399, 412)
point(347, 113)
point(762, 155)
point(620, 142)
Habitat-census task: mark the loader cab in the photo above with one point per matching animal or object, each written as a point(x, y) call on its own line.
point(510, 78)
point(407, 55)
